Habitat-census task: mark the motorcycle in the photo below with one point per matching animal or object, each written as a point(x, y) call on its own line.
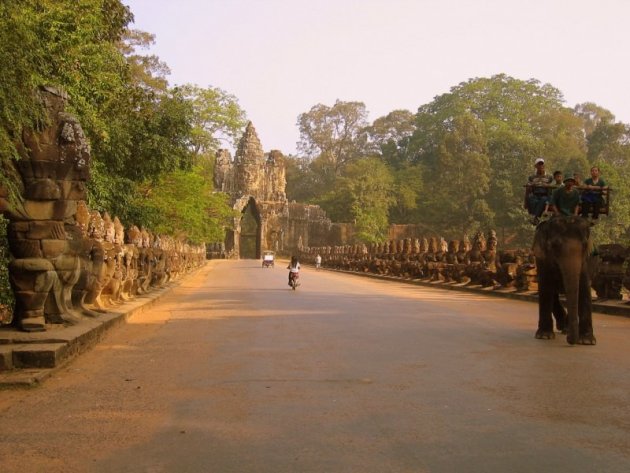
point(294, 280)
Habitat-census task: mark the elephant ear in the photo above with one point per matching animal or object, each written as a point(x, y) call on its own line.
point(537, 246)
point(542, 240)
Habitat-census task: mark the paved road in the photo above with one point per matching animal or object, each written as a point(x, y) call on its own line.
point(234, 372)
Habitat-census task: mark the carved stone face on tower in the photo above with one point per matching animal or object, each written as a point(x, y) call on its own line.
point(249, 149)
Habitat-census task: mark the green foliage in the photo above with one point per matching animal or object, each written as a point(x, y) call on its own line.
point(458, 176)
point(390, 134)
point(18, 104)
point(217, 117)
point(335, 135)
point(363, 195)
point(461, 162)
point(615, 228)
point(304, 184)
point(478, 143)
point(408, 194)
point(77, 48)
point(146, 72)
point(181, 203)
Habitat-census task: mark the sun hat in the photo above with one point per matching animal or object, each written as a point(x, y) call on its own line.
point(539, 160)
point(569, 177)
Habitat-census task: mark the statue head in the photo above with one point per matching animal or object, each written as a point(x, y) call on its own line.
point(465, 245)
point(443, 245)
point(453, 246)
point(416, 246)
point(433, 244)
point(108, 227)
point(479, 242)
point(425, 245)
point(82, 218)
point(134, 236)
point(96, 228)
point(119, 232)
point(146, 240)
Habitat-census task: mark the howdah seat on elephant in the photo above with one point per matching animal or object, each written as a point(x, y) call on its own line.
point(562, 248)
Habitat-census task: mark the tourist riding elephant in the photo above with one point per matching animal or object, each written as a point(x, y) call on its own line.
point(562, 250)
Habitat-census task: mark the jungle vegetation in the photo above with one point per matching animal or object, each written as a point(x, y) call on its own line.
point(459, 163)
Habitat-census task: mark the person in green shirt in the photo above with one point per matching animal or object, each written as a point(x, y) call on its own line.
point(565, 200)
point(592, 196)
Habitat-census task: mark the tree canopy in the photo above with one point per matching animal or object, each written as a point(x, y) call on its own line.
point(460, 162)
point(335, 135)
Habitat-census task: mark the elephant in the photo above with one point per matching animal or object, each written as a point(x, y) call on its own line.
point(562, 248)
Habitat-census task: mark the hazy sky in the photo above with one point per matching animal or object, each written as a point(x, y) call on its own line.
point(282, 57)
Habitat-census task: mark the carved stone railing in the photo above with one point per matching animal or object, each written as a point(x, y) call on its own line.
point(459, 262)
point(68, 262)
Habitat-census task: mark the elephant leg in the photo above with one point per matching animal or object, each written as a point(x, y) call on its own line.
point(546, 294)
point(559, 314)
point(585, 314)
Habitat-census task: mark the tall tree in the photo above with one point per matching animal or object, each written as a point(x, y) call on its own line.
point(217, 118)
point(19, 50)
point(609, 148)
point(145, 71)
point(593, 115)
point(335, 135)
point(517, 121)
point(408, 193)
point(390, 135)
point(363, 195)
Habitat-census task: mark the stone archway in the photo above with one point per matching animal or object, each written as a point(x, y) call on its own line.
point(250, 232)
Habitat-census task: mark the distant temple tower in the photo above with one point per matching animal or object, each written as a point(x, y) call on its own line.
point(252, 173)
point(256, 183)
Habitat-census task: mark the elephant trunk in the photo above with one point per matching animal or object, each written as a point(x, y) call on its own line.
point(571, 264)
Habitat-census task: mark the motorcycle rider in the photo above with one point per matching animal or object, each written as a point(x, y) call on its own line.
point(294, 267)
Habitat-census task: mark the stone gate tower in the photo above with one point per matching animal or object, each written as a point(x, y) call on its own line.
point(256, 183)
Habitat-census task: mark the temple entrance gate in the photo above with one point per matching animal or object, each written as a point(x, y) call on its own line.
point(250, 234)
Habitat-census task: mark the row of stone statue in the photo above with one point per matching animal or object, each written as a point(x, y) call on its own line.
point(68, 262)
point(464, 263)
point(88, 266)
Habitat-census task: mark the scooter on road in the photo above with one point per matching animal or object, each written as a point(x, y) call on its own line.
point(294, 280)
